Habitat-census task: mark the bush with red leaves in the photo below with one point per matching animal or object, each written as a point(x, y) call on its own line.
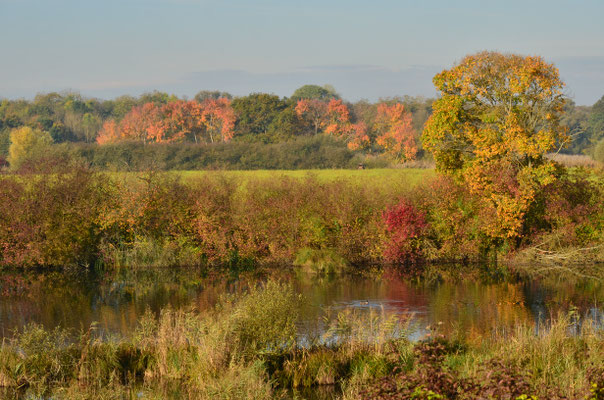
point(406, 227)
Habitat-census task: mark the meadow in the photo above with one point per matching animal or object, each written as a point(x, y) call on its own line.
point(374, 176)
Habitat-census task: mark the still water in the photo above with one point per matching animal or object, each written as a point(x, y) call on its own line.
point(117, 300)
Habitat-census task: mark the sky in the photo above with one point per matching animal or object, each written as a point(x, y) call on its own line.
point(365, 49)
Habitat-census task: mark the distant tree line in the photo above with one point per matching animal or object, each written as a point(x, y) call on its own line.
point(390, 127)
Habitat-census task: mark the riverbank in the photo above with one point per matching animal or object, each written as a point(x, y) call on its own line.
point(327, 222)
point(233, 220)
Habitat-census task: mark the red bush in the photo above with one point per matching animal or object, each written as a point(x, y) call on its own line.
point(406, 226)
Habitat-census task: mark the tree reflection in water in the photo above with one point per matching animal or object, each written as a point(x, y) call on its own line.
point(118, 299)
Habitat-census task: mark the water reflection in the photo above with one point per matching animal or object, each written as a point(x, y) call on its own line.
point(117, 300)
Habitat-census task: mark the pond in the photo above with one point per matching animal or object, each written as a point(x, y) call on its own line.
point(116, 300)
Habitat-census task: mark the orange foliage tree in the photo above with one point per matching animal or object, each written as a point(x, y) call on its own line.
point(177, 121)
point(314, 112)
point(140, 123)
point(497, 117)
point(109, 133)
point(218, 118)
point(333, 118)
point(395, 131)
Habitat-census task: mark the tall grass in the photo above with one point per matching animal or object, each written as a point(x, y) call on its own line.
point(575, 160)
point(249, 347)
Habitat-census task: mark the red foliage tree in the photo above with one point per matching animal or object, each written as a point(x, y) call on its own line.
point(341, 126)
point(180, 119)
point(141, 123)
point(109, 133)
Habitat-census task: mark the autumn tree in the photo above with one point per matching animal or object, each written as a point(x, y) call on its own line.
point(141, 123)
point(176, 121)
point(27, 144)
point(218, 118)
point(395, 131)
point(497, 117)
point(314, 112)
point(109, 133)
point(340, 125)
point(333, 118)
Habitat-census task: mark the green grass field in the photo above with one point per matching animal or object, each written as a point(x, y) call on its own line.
point(372, 178)
point(411, 176)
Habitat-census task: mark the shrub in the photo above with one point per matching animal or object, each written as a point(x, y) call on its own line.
point(299, 153)
point(52, 219)
point(406, 227)
point(265, 319)
point(456, 221)
point(573, 209)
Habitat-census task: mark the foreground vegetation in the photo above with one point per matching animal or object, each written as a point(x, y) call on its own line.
point(248, 347)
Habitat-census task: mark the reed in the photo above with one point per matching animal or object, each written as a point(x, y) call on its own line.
point(249, 347)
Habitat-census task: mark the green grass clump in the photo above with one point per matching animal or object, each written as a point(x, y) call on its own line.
point(149, 252)
point(324, 261)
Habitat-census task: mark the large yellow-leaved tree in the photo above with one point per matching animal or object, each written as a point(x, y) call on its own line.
point(497, 117)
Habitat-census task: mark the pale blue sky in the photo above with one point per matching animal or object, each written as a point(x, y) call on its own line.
point(366, 49)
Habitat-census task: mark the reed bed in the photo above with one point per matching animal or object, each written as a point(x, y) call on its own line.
point(249, 347)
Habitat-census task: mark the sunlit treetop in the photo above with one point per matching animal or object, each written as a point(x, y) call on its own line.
point(210, 121)
point(315, 92)
point(496, 105)
point(498, 115)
